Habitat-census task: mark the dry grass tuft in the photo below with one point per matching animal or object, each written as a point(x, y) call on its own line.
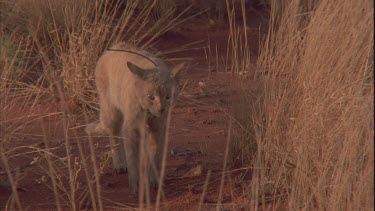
point(316, 148)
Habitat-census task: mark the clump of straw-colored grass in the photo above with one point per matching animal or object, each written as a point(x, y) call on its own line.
point(316, 148)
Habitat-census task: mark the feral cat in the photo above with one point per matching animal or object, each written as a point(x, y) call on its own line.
point(136, 90)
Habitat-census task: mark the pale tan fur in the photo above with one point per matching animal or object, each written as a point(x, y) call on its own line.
point(135, 92)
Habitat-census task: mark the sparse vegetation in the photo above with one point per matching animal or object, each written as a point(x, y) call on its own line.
point(303, 129)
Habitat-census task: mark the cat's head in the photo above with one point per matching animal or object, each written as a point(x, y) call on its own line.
point(157, 90)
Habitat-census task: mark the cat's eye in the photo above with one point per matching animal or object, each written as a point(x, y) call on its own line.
point(151, 97)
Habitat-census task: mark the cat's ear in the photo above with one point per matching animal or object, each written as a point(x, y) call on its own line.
point(141, 73)
point(176, 70)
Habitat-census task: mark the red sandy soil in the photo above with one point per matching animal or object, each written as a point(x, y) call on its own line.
point(199, 123)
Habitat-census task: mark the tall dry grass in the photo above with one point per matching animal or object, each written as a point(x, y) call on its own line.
point(68, 36)
point(314, 130)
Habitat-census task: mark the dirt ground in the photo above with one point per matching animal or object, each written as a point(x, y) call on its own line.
point(198, 129)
